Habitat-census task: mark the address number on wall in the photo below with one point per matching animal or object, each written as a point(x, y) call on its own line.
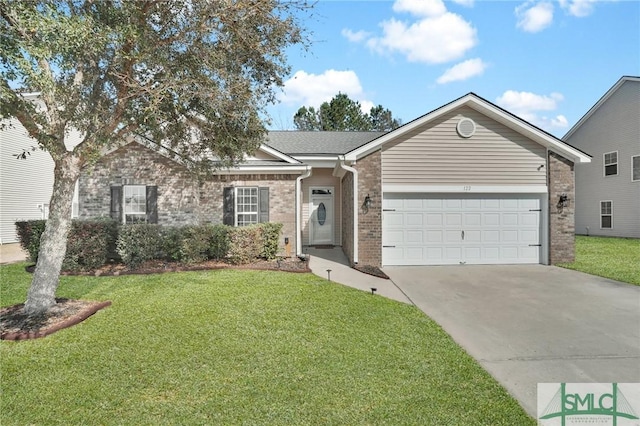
point(466, 188)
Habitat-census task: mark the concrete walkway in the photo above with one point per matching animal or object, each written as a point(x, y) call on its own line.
point(11, 253)
point(335, 260)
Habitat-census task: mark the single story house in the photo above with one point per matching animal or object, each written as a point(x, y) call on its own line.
point(608, 188)
point(467, 183)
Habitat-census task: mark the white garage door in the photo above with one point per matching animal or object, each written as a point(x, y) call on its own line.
point(438, 229)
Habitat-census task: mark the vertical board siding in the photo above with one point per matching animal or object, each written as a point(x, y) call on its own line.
point(436, 155)
point(614, 126)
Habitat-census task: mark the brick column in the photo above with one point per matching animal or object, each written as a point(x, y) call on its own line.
point(561, 219)
point(370, 223)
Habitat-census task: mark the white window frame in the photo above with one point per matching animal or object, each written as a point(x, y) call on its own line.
point(610, 214)
point(604, 163)
point(240, 204)
point(633, 157)
point(135, 213)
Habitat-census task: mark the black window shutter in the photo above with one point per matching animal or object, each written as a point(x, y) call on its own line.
point(116, 203)
point(228, 206)
point(263, 200)
point(152, 204)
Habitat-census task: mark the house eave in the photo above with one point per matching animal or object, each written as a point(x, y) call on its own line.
point(490, 110)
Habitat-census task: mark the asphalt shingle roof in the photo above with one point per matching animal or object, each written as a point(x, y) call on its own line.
point(318, 143)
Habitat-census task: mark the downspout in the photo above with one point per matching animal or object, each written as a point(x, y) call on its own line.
point(305, 175)
point(343, 166)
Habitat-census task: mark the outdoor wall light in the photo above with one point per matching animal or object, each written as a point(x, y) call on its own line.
point(563, 201)
point(367, 202)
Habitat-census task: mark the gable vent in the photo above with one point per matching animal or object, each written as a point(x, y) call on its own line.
point(466, 127)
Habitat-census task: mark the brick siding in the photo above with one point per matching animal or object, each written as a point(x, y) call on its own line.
point(182, 198)
point(561, 219)
point(370, 222)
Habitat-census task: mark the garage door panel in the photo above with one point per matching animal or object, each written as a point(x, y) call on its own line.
point(426, 229)
point(414, 219)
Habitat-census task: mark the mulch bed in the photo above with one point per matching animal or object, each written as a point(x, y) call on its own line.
point(16, 325)
point(371, 270)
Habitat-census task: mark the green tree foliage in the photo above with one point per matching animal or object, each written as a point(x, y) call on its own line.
point(194, 76)
point(343, 113)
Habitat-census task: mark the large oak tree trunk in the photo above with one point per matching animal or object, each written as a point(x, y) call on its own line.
point(53, 243)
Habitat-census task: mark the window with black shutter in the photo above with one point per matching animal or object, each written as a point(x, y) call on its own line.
point(245, 205)
point(134, 204)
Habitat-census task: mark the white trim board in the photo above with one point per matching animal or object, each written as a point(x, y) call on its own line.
point(467, 189)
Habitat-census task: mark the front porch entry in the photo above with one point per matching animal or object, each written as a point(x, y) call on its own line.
point(321, 218)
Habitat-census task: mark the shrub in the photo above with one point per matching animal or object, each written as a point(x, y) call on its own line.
point(90, 244)
point(270, 239)
point(138, 243)
point(194, 244)
point(245, 244)
point(219, 242)
point(171, 237)
point(29, 233)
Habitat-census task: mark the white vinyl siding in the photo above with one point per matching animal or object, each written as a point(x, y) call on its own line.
point(606, 214)
point(611, 163)
point(635, 168)
point(437, 155)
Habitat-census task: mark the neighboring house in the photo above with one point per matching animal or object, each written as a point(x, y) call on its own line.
point(25, 185)
point(466, 183)
point(608, 188)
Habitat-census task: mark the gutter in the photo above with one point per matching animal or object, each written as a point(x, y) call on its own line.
point(305, 175)
point(343, 166)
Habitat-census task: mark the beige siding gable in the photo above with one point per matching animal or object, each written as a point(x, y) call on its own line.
point(436, 155)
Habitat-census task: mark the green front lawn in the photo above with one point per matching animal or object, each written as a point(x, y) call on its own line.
point(242, 347)
point(615, 258)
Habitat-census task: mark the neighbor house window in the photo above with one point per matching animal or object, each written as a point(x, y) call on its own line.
point(246, 206)
point(135, 203)
point(606, 214)
point(611, 163)
point(635, 168)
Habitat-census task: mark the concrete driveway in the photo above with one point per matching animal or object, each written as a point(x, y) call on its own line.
point(533, 324)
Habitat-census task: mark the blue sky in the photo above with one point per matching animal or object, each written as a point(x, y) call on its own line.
point(545, 61)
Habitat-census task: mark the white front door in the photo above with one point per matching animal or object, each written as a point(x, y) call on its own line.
point(321, 216)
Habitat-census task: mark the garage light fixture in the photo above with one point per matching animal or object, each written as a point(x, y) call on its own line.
point(367, 201)
point(563, 201)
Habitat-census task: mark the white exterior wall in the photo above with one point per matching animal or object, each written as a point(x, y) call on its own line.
point(25, 185)
point(613, 126)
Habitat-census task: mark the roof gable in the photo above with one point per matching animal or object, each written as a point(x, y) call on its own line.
point(600, 102)
point(486, 108)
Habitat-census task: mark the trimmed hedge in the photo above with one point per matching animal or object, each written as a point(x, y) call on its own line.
point(29, 233)
point(90, 244)
point(93, 243)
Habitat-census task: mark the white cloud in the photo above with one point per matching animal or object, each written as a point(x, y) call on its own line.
point(305, 89)
point(579, 8)
point(527, 106)
point(467, 3)
point(463, 71)
point(355, 36)
point(420, 7)
point(434, 40)
point(534, 18)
